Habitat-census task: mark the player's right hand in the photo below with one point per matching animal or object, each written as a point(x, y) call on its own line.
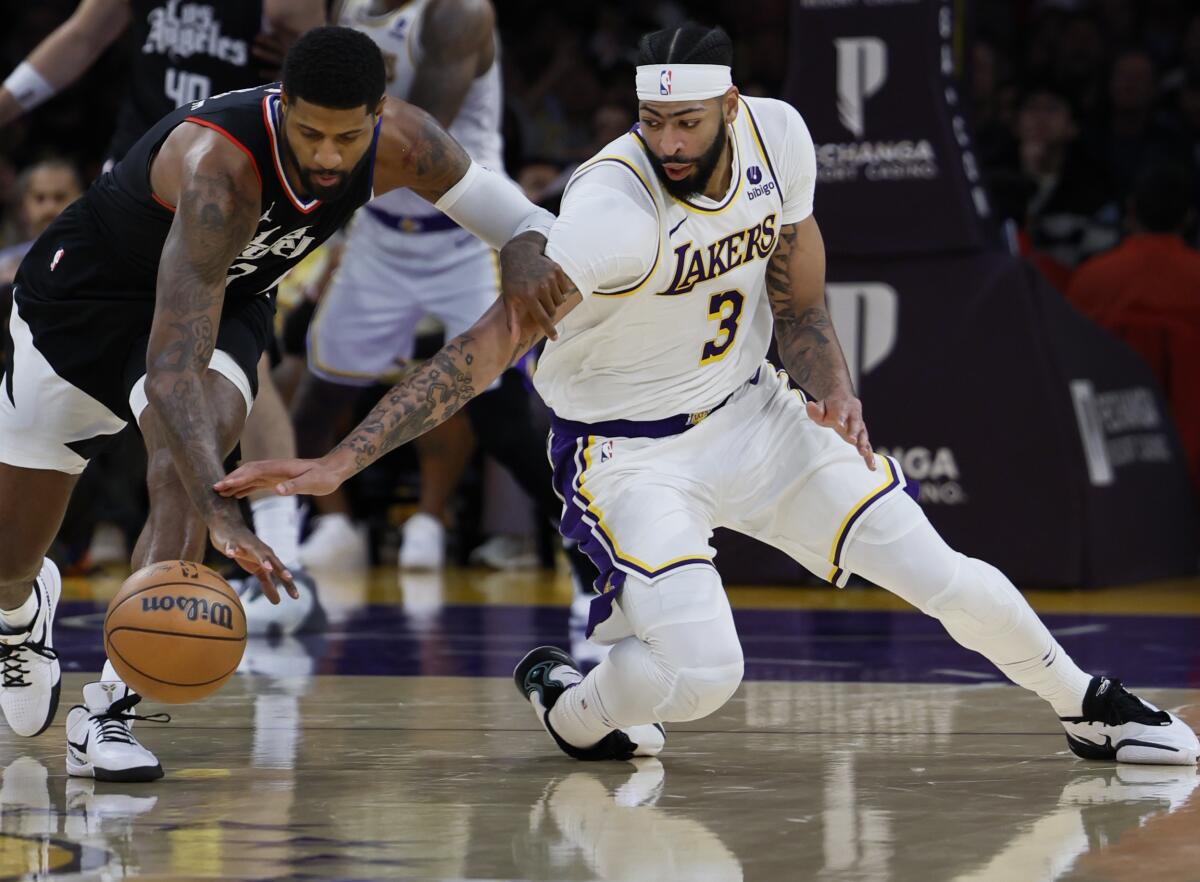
point(237, 542)
point(285, 477)
point(532, 283)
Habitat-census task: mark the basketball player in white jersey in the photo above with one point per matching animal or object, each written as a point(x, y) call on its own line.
point(668, 422)
point(405, 260)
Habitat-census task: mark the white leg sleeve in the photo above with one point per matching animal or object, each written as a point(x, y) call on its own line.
point(683, 663)
point(898, 549)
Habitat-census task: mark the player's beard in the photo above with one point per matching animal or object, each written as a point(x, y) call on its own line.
point(326, 193)
point(694, 183)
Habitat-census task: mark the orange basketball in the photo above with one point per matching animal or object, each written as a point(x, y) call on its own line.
point(175, 632)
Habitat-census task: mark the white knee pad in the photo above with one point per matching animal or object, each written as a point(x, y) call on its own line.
point(979, 603)
point(685, 621)
point(696, 692)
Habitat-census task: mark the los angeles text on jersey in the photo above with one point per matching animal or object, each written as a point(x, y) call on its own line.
point(695, 265)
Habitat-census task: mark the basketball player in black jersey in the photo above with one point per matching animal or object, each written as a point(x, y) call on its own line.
point(183, 51)
point(149, 299)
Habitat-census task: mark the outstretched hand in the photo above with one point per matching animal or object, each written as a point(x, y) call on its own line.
point(843, 414)
point(284, 477)
point(237, 542)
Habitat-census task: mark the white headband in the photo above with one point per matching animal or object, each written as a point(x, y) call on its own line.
point(682, 82)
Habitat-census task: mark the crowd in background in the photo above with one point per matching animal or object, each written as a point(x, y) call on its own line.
point(1086, 113)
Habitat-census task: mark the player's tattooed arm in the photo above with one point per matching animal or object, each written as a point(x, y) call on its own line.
point(414, 151)
point(217, 209)
point(426, 398)
point(456, 47)
point(808, 344)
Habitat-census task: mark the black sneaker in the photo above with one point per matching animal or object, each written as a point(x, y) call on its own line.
point(545, 674)
point(1117, 725)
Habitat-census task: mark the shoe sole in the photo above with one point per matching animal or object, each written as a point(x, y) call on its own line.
point(136, 775)
point(542, 653)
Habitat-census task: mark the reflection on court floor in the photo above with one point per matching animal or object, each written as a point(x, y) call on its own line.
point(867, 747)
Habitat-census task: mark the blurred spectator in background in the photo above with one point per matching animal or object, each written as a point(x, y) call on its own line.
point(42, 191)
point(1147, 292)
point(1154, 270)
point(1134, 138)
point(1070, 214)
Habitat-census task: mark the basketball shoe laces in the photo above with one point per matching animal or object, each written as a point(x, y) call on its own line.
point(1122, 708)
point(114, 722)
point(15, 661)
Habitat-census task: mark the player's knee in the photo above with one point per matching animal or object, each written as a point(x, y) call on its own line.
point(978, 602)
point(698, 690)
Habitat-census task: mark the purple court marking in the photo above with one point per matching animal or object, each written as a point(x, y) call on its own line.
point(812, 645)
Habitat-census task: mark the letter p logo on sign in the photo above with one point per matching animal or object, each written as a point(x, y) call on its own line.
point(861, 72)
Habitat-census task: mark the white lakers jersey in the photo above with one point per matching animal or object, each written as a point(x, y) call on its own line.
point(477, 125)
point(675, 314)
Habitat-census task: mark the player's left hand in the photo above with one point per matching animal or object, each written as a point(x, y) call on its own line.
point(843, 414)
point(532, 284)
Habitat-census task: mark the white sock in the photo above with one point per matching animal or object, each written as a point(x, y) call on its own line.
point(1054, 676)
point(277, 523)
point(578, 717)
point(22, 617)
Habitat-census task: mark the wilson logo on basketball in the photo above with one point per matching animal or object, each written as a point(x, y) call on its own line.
point(219, 614)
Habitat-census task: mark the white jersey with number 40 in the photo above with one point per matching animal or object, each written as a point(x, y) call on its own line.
point(675, 315)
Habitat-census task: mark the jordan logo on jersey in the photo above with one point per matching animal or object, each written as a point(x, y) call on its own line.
point(694, 265)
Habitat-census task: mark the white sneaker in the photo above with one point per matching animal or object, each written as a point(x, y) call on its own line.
point(100, 741)
point(422, 543)
point(335, 543)
point(503, 552)
point(31, 674)
point(108, 545)
point(302, 615)
point(1117, 725)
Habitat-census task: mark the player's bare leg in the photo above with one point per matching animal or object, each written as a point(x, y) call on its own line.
point(100, 739)
point(32, 505)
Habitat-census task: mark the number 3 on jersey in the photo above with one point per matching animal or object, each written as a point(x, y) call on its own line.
point(726, 308)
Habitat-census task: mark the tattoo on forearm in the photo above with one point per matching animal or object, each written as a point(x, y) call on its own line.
point(213, 223)
point(807, 344)
point(428, 397)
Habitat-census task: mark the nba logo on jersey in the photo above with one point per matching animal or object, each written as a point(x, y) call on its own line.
point(664, 82)
point(606, 451)
point(58, 255)
point(754, 174)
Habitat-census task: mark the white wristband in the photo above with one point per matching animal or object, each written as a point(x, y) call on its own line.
point(492, 207)
point(28, 87)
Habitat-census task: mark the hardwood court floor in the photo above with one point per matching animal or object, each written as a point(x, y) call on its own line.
point(840, 760)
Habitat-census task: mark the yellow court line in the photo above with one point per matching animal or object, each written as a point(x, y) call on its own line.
point(480, 587)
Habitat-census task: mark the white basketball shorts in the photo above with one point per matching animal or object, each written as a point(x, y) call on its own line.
point(387, 281)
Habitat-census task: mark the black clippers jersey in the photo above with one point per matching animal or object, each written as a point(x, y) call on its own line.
point(184, 51)
point(133, 222)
